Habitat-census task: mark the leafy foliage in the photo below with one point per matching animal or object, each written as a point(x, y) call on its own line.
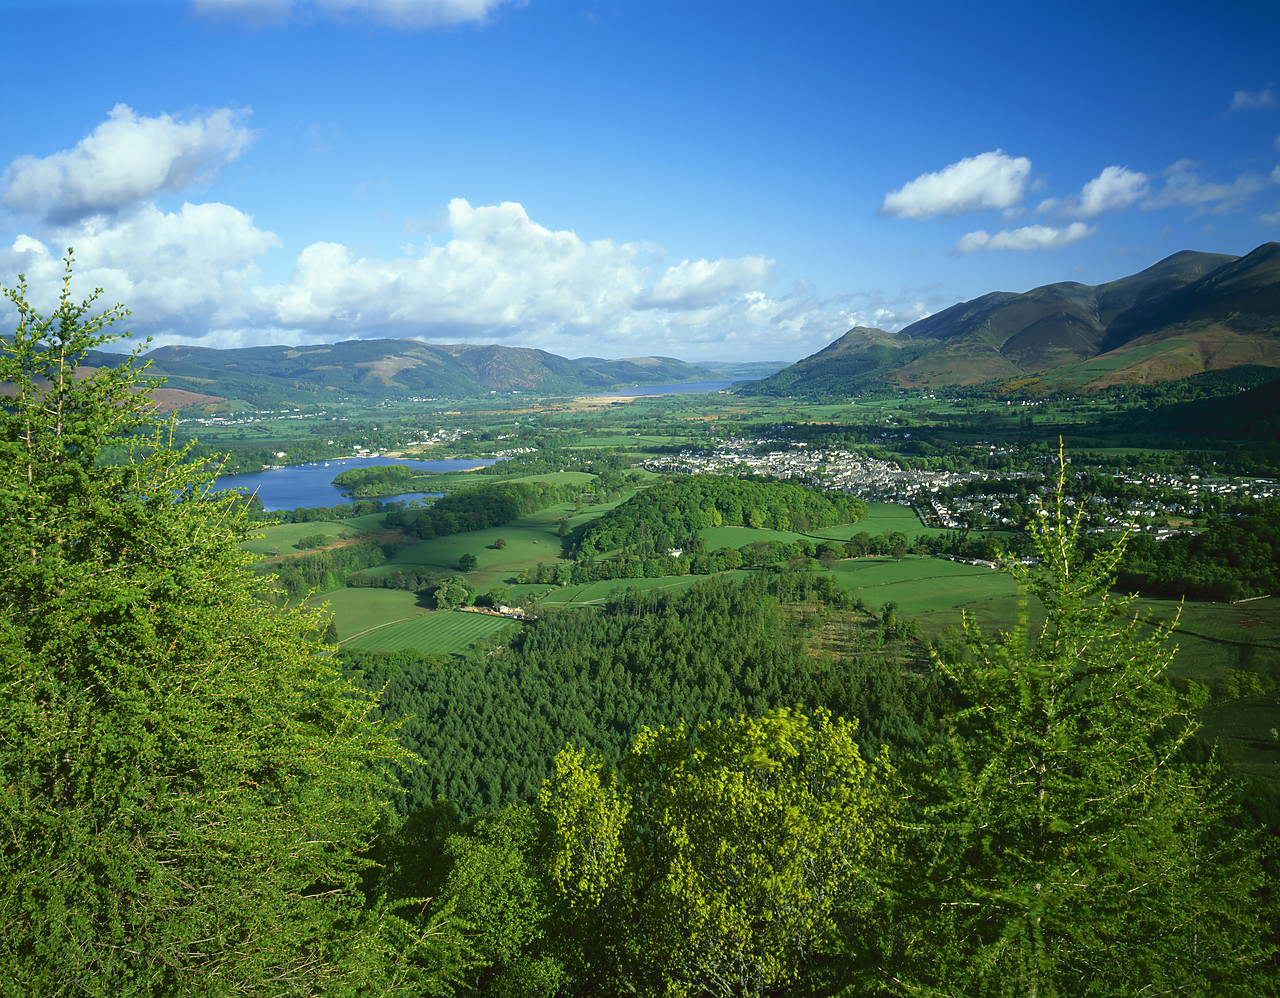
point(671, 514)
point(1230, 560)
point(187, 785)
point(719, 860)
point(488, 726)
point(1066, 846)
point(482, 506)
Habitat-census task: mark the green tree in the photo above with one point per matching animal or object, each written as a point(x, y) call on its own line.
point(499, 886)
point(453, 592)
point(187, 785)
point(467, 561)
point(1067, 847)
point(721, 860)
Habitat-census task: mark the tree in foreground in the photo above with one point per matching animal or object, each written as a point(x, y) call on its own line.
point(1068, 846)
point(187, 785)
point(722, 860)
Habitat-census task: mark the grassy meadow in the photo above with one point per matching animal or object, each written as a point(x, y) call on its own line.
point(441, 631)
point(281, 538)
point(1213, 639)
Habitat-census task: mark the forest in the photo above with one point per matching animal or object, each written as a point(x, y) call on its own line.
point(1231, 559)
point(670, 515)
point(755, 787)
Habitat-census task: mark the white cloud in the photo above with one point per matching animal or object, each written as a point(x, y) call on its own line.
point(1115, 187)
point(479, 274)
point(1252, 100)
point(697, 283)
point(411, 14)
point(500, 274)
point(988, 180)
point(1183, 187)
point(1030, 237)
point(125, 160)
point(1275, 175)
point(187, 269)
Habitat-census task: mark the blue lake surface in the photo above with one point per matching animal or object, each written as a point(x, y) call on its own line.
point(685, 389)
point(311, 484)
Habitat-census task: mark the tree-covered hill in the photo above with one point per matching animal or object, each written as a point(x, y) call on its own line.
point(670, 515)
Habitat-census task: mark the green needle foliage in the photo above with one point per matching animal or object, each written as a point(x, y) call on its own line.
point(1068, 847)
point(185, 784)
point(723, 860)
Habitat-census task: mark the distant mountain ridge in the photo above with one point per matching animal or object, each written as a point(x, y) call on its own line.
point(1189, 313)
point(380, 368)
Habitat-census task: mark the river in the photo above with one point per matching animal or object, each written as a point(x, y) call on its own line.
point(311, 484)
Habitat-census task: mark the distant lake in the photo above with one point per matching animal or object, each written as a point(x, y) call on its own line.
point(685, 389)
point(310, 484)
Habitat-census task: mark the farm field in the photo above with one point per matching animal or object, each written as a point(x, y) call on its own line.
point(282, 537)
point(882, 518)
point(529, 540)
point(440, 632)
point(358, 610)
point(1217, 636)
point(597, 592)
point(933, 590)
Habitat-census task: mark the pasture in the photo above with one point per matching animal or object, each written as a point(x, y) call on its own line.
point(280, 539)
point(597, 592)
point(529, 540)
point(441, 632)
point(358, 610)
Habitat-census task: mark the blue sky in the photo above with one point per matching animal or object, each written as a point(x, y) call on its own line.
point(692, 178)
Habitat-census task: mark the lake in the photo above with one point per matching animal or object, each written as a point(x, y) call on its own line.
point(685, 389)
point(311, 485)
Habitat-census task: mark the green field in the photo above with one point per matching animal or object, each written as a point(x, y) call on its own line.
point(1215, 636)
point(441, 632)
point(281, 537)
point(933, 590)
point(358, 610)
point(530, 540)
point(597, 592)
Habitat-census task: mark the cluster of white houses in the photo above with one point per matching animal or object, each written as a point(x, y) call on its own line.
point(886, 481)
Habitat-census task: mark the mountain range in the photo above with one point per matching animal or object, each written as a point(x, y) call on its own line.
point(379, 369)
point(1191, 312)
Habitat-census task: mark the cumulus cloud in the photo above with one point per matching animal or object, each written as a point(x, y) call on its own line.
point(1115, 187)
point(500, 274)
point(1252, 100)
point(697, 283)
point(1030, 237)
point(477, 273)
point(187, 269)
point(411, 14)
point(988, 180)
point(494, 274)
point(126, 160)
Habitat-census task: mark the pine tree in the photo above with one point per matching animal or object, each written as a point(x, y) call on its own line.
point(1068, 847)
point(186, 784)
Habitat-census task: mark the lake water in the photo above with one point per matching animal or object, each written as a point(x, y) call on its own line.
point(685, 389)
point(311, 484)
